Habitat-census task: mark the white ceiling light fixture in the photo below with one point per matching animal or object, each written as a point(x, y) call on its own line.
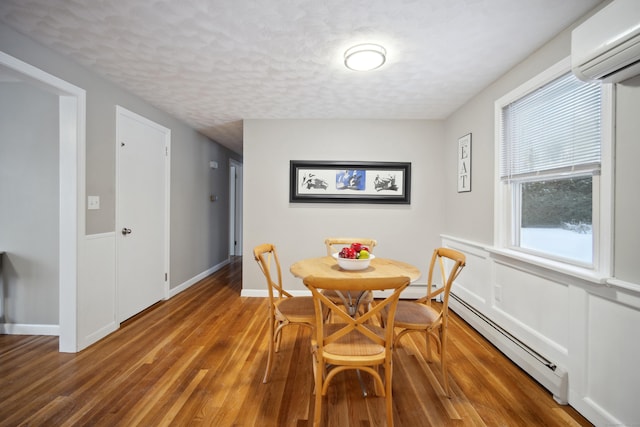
point(365, 57)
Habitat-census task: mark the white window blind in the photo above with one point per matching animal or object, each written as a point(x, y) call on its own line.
point(555, 128)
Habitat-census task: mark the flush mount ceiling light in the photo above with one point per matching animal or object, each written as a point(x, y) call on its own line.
point(365, 57)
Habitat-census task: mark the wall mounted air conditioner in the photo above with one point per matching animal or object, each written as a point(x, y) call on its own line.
point(607, 45)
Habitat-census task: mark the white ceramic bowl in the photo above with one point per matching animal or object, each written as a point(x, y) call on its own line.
point(353, 264)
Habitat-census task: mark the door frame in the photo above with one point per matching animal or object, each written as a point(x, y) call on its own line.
point(235, 207)
point(72, 164)
point(167, 192)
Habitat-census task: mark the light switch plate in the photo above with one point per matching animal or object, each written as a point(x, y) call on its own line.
point(93, 202)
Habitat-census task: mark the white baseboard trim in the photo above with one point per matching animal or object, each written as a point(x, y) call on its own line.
point(54, 330)
point(412, 292)
point(99, 334)
point(263, 293)
point(25, 329)
point(100, 235)
point(187, 284)
point(254, 293)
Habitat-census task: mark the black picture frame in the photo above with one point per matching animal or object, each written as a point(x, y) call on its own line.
point(349, 182)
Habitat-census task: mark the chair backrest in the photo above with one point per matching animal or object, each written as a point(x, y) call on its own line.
point(334, 244)
point(440, 258)
point(267, 258)
point(358, 323)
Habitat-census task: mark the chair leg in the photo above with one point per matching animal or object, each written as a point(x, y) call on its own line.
point(445, 376)
point(388, 374)
point(428, 340)
point(364, 308)
point(443, 364)
point(267, 372)
point(376, 388)
point(314, 368)
point(278, 334)
point(317, 410)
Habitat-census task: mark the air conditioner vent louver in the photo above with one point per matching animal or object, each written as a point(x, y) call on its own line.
point(607, 45)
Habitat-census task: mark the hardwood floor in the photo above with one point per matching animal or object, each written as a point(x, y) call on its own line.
point(198, 359)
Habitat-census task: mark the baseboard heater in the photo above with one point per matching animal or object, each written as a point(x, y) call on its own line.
point(553, 377)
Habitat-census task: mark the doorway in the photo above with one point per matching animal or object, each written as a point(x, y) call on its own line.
point(72, 107)
point(235, 208)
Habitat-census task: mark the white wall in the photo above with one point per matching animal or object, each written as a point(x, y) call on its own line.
point(627, 204)
point(29, 207)
point(586, 327)
point(405, 232)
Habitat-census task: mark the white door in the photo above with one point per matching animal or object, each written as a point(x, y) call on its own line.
point(141, 212)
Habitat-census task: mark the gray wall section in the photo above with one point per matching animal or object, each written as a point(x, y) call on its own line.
point(199, 227)
point(29, 207)
point(477, 116)
point(627, 178)
point(471, 215)
point(406, 232)
point(199, 237)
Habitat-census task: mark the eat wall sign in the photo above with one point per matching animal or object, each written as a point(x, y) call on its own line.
point(464, 164)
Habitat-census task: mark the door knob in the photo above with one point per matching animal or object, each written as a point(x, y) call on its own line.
point(126, 231)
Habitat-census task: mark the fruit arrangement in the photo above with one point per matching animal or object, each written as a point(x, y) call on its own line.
point(354, 251)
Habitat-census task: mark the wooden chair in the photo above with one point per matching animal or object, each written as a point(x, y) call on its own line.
point(334, 244)
point(353, 343)
point(284, 309)
point(422, 316)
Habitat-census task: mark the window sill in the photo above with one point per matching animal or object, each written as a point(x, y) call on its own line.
point(622, 284)
point(584, 274)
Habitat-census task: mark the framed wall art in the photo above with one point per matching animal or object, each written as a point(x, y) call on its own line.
point(349, 182)
point(464, 164)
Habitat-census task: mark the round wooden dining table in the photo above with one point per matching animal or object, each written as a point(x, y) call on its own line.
point(327, 266)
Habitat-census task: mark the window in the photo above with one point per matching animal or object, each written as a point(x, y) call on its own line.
point(550, 138)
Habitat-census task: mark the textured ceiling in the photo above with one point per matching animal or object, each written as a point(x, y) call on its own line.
point(213, 63)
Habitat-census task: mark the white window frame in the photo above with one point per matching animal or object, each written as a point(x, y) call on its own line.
point(602, 197)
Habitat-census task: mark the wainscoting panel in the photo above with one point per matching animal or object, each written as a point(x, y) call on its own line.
point(535, 309)
point(96, 289)
point(612, 377)
point(576, 337)
point(498, 311)
point(474, 282)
